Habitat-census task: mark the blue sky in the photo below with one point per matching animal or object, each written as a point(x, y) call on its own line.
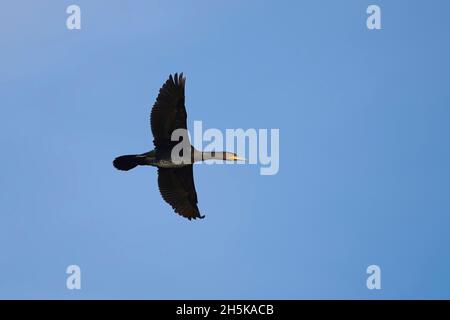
point(364, 152)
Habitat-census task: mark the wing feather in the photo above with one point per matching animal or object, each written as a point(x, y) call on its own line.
point(177, 188)
point(168, 112)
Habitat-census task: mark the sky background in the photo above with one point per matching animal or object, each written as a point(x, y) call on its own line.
point(364, 149)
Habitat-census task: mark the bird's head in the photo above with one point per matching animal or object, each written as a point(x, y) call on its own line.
point(233, 157)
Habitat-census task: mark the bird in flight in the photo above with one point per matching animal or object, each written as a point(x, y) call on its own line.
point(174, 157)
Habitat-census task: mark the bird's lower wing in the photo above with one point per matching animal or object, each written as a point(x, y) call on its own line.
point(177, 188)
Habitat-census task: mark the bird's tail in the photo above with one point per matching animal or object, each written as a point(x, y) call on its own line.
point(127, 162)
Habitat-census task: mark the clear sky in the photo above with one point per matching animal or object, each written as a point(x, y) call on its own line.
point(364, 149)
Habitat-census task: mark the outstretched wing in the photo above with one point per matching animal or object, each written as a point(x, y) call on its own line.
point(168, 112)
point(177, 188)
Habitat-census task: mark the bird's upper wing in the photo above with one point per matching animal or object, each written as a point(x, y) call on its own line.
point(177, 189)
point(168, 112)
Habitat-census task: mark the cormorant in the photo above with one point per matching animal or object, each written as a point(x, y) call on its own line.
point(175, 176)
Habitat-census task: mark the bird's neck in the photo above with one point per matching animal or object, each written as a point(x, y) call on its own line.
point(213, 155)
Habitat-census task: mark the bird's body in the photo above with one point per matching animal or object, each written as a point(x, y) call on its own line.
point(175, 174)
point(153, 158)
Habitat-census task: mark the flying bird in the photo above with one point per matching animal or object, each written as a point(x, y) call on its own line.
point(175, 175)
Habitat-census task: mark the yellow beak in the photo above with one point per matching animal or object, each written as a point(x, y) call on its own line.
point(236, 158)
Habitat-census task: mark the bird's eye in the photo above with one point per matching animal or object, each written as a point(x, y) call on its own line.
point(213, 153)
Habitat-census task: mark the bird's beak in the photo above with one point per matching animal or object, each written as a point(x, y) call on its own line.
point(236, 158)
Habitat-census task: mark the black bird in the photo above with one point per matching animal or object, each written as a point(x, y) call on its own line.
point(175, 176)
